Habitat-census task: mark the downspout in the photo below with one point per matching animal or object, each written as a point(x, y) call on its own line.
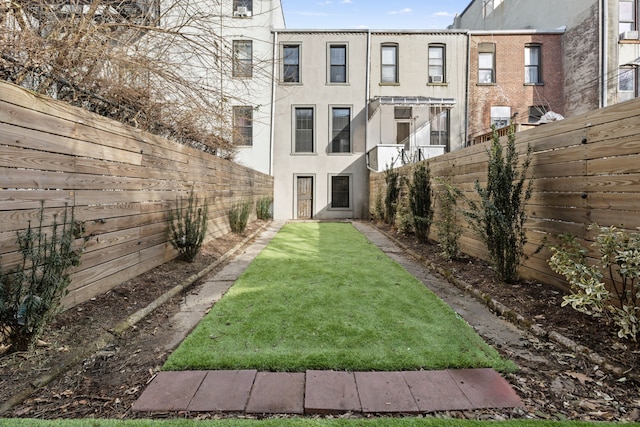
point(604, 39)
point(367, 94)
point(466, 93)
point(273, 100)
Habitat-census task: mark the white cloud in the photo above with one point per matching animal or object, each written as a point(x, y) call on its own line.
point(401, 11)
point(325, 3)
point(346, 2)
point(445, 14)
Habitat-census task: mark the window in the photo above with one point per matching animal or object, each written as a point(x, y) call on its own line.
point(291, 63)
point(486, 63)
point(626, 79)
point(304, 130)
point(627, 13)
point(242, 58)
point(436, 64)
point(242, 125)
point(439, 127)
point(532, 64)
point(341, 130)
point(536, 112)
point(402, 113)
point(500, 116)
point(389, 64)
point(338, 63)
point(340, 192)
point(242, 8)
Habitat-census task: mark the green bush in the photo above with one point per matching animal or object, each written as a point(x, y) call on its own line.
point(500, 217)
point(30, 295)
point(619, 263)
point(239, 216)
point(448, 230)
point(420, 201)
point(263, 208)
point(188, 227)
point(392, 178)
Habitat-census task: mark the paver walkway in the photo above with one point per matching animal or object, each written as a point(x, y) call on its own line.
point(318, 392)
point(327, 392)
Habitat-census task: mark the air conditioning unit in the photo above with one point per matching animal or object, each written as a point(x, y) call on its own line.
point(242, 11)
point(629, 35)
point(437, 79)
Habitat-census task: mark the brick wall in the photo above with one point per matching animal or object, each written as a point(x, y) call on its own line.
point(509, 89)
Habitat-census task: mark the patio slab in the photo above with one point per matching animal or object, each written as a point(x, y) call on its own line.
point(224, 391)
point(436, 391)
point(277, 393)
point(170, 391)
point(384, 392)
point(331, 392)
point(485, 388)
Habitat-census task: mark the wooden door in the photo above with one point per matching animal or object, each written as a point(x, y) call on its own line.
point(305, 197)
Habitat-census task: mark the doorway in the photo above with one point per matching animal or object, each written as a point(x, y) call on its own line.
point(304, 185)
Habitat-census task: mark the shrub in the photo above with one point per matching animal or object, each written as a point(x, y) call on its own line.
point(420, 201)
point(392, 178)
point(500, 217)
point(377, 212)
point(30, 295)
point(188, 227)
point(403, 219)
point(619, 263)
point(239, 216)
point(448, 230)
point(263, 208)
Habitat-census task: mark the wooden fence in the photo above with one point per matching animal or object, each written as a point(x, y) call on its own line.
point(121, 181)
point(586, 169)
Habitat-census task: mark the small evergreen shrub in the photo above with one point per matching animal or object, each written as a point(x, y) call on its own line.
point(263, 208)
point(619, 264)
point(392, 178)
point(188, 226)
point(30, 294)
point(420, 201)
point(239, 216)
point(500, 216)
point(377, 211)
point(403, 219)
point(448, 230)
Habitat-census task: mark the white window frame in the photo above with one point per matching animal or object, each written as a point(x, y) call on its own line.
point(389, 66)
point(284, 63)
point(294, 129)
point(333, 134)
point(330, 64)
point(242, 59)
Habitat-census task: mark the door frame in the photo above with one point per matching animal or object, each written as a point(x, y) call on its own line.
point(295, 192)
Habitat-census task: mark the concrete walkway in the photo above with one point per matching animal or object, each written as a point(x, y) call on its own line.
point(328, 392)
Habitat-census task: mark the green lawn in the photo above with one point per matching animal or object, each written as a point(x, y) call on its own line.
point(320, 296)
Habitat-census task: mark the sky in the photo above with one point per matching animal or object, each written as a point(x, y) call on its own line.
point(371, 14)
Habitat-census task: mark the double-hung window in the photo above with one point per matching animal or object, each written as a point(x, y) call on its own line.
point(338, 63)
point(389, 63)
point(242, 125)
point(436, 63)
point(340, 192)
point(486, 63)
point(533, 64)
point(242, 58)
point(340, 130)
point(304, 130)
point(291, 63)
point(627, 16)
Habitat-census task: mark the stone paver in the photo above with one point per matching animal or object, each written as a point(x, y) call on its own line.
point(170, 391)
point(224, 391)
point(436, 391)
point(383, 392)
point(277, 393)
point(485, 388)
point(331, 392)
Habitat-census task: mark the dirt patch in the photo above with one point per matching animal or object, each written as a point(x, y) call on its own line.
point(554, 382)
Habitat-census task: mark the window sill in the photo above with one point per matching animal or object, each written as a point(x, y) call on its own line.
point(389, 84)
point(291, 83)
point(331, 153)
point(438, 84)
point(338, 84)
point(304, 154)
point(534, 84)
point(339, 209)
point(487, 84)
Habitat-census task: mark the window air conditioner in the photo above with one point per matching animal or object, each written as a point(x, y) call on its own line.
point(437, 79)
point(629, 35)
point(242, 11)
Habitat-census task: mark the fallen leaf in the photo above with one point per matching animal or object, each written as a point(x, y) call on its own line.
point(580, 377)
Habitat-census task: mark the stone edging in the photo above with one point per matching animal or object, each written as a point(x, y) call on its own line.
point(516, 318)
point(108, 337)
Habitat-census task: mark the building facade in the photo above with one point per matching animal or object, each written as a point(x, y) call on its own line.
point(514, 77)
point(601, 46)
point(350, 101)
